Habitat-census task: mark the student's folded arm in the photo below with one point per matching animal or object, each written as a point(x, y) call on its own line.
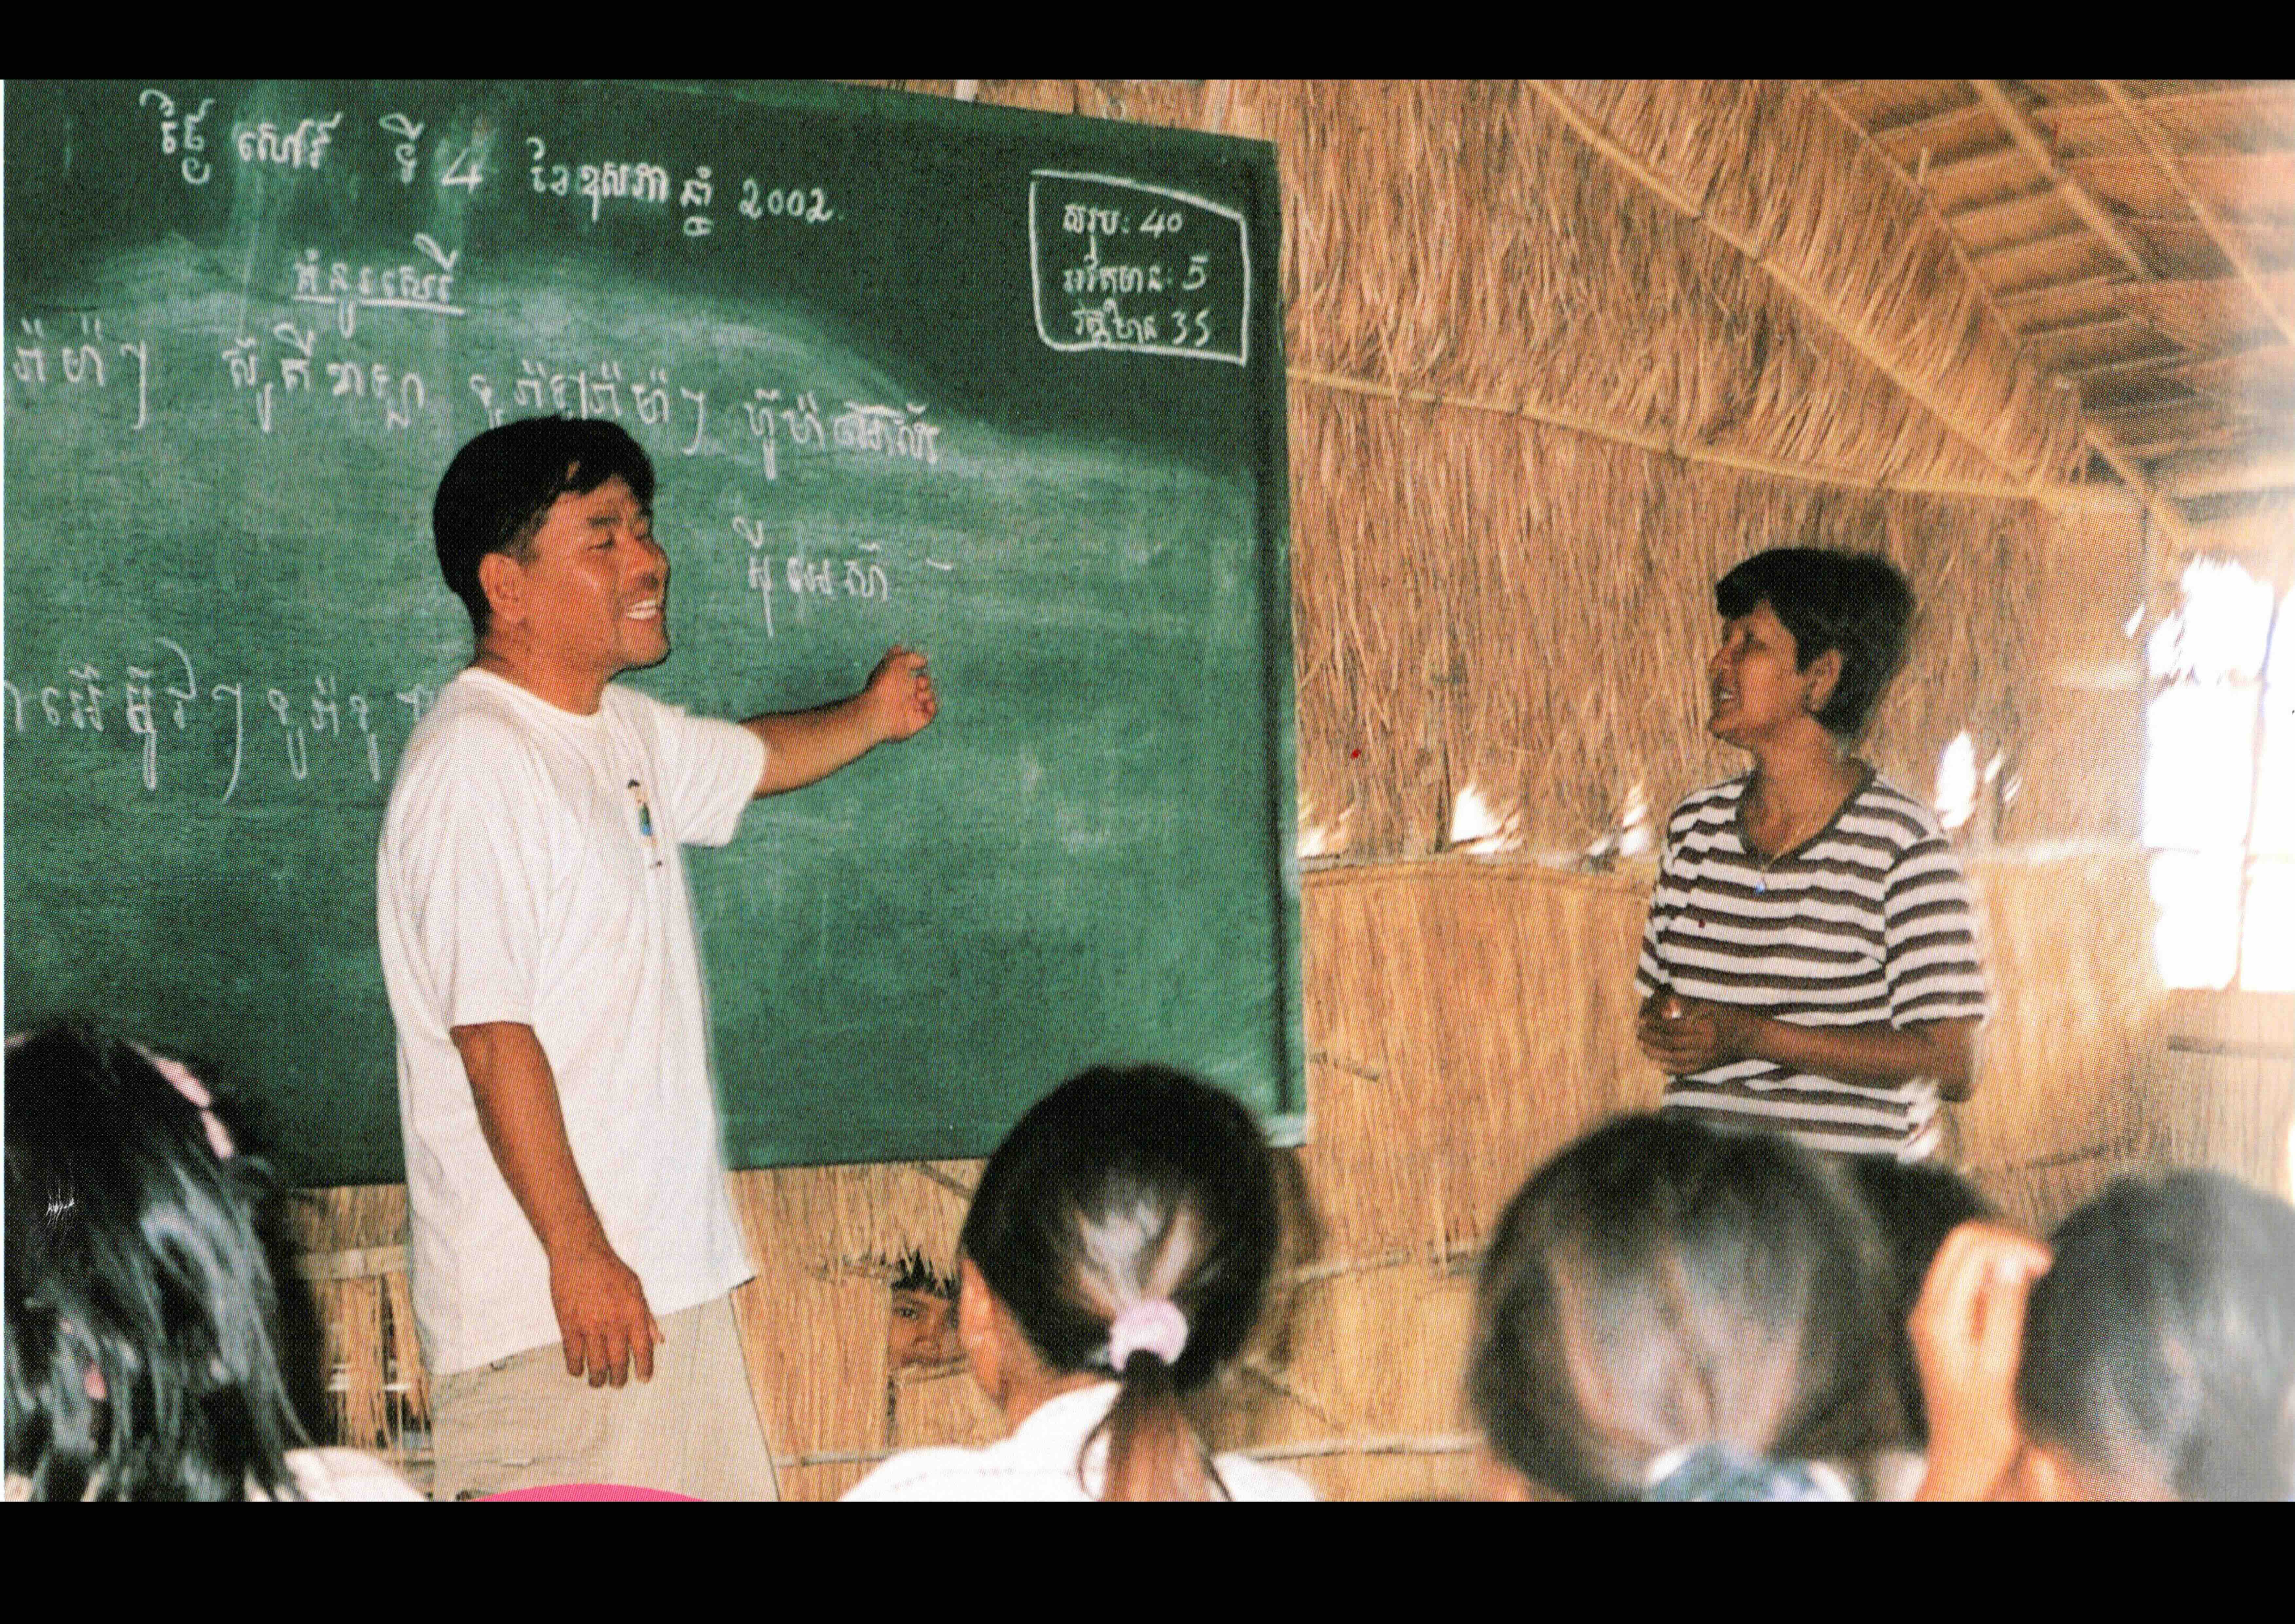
point(1877, 1053)
point(1685, 1035)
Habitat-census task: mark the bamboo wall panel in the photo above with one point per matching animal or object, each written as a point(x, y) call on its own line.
point(813, 1322)
point(2075, 763)
point(1465, 1020)
point(354, 1239)
point(2226, 1085)
point(2077, 1005)
point(1380, 1354)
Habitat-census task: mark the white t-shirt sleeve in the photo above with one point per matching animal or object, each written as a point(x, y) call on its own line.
point(474, 874)
point(710, 769)
point(919, 1475)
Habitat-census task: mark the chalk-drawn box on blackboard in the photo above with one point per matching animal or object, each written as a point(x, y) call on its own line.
point(1121, 265)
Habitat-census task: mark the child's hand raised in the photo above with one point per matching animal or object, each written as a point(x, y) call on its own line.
point(1968, 1335)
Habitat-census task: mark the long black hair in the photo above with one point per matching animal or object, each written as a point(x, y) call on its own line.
point(1661, 1285)
point(1126, 1185)
point(143, 1337)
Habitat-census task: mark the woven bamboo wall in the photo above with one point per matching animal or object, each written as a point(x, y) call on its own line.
point(1559, 356)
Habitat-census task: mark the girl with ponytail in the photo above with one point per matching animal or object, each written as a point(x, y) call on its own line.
point(1116, 1256)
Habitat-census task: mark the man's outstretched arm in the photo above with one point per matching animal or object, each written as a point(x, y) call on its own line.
point(602, 1314)
point(802, 746)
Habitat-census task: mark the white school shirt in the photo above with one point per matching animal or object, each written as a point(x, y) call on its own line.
point(1039, 1462)
point(529, 872)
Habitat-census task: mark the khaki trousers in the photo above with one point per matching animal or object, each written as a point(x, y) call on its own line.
point(523, 1423)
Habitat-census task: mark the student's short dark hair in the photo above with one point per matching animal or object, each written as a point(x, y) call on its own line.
point(1660, 1284)
point(1915, 1205)
point(136, 1253)
point(1858, 603)
point(2160, 1347)
point(498, 488)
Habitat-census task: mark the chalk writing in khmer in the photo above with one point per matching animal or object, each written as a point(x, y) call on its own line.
point(1121, 265)
point(160, 697)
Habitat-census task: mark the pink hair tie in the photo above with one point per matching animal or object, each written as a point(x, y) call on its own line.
point(190, 1087)
point(1156, 1326)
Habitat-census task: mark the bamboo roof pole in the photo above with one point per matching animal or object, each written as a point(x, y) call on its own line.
point(2030, 481)
point(2052, 494)
point(1985, 297)
point(2082, 202)
point(2164, 512)
point(2077, 197)
point(2233, 249)
point(2098, 439)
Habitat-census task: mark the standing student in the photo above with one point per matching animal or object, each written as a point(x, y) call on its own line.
point(1809, 960)
point(571, 1226)
point(1115, 1256)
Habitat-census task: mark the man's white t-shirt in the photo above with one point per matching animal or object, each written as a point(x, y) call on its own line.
point(529, 872)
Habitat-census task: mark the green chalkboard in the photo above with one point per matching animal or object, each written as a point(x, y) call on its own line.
point(1006, 387)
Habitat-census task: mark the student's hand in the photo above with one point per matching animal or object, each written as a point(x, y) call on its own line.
point(1688, 1034)
point(899, 692)
point(1968, 1334)
point(603, 1318)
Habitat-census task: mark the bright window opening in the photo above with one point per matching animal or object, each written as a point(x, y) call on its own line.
point(1956, 785)
point(1476, 826)
point(2219, 784)
point(1317, 839)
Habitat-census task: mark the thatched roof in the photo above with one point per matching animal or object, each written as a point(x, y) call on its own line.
point(2135, 240)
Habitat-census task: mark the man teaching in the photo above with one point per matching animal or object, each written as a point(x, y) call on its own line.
point(570, 1223)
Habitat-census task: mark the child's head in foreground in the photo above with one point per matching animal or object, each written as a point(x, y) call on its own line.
point(1128, 1226)
point(1661, 1301)
point(2159, 1356)
point(1916, 1204)
point(143, 1322)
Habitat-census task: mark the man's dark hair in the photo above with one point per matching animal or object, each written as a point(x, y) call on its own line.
point(497, 490)
point(1916, 1205)
point(1858, 603)
point(1660, 1285)
point(2160, 1347)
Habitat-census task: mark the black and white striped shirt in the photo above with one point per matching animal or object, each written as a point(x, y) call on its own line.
point(1870, 920)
